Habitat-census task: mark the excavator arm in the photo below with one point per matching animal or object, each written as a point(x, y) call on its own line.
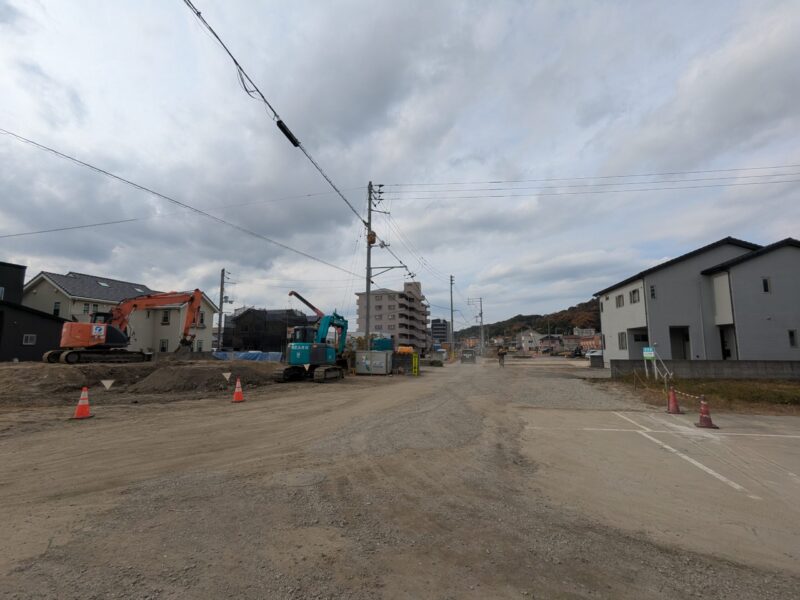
point(120, 314)
point(317, 311)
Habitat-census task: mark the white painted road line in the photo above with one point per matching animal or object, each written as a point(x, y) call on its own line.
point(642, 427)
point(687, 431)
point(645, 432)
point(699, 465)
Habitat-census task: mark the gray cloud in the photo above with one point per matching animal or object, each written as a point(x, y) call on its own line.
point(446, 91)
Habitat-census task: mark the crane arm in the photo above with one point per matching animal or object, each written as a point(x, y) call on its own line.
point(120, 314)
point(317, 311)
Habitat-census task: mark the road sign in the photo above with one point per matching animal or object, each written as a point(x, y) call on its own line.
point(648, 353)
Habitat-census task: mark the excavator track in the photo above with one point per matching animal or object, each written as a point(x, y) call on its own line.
point(71, 357)
point(328, 373)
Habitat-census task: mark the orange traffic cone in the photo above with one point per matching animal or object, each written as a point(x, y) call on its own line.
point(672, 405)
point(238, 396)
point(82, 410)
point(705, 416)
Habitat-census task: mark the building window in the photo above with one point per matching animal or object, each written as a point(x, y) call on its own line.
point(392, 296)
point(793, 338)
point(378, 296)
point(379, 307)
point(95, 308)
point(640, 337)
point(200, 345)
point(765, 285)
point(2, 292)
point(165, 317)
point(378, 317)
point(56, 309)
point(378, 327)
point(86, 308)
point(391, 326)
point(202, 318)
point(603, 341)
point(601, 307)
point(620, 299)
point(652, 292)
point(392, 307)
point(391, 316)
point(29, 339)
point(634, 296)
point(622, 340)
point(163, 345)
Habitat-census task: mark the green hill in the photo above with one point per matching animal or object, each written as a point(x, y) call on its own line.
point(583, 315)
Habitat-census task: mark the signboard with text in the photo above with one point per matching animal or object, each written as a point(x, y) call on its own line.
point(648, 353)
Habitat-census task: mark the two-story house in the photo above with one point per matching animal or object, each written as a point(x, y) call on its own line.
point(77, 296)
point(686, 307)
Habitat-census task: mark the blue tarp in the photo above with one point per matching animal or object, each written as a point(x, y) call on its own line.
point(252, 355)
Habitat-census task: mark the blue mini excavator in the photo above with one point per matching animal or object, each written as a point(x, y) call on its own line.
point(309, 355)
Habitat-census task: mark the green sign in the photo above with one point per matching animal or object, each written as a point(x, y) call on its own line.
point(648, 353)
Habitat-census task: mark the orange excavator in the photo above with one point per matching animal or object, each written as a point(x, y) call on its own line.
point(105, 338)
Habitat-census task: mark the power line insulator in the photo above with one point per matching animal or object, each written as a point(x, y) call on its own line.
point(288, 133)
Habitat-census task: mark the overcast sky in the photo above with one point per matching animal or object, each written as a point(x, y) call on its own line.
point(397, 92)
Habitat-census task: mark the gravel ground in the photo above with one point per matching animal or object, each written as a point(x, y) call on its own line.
point(387, 488)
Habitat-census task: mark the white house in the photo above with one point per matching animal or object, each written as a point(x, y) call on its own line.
point(77, 296)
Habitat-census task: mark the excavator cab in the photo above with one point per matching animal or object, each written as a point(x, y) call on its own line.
point(303, 335)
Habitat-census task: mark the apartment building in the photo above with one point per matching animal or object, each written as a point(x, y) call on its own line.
point(402, 315)
point(440, 330)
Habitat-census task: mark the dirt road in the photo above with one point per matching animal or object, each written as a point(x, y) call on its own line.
point(468, 482)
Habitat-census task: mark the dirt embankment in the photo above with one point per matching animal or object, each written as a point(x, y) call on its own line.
point(42, 384)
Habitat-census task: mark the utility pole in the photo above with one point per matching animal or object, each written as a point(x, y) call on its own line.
point(452, 325)
point(370, 242)
point(221, 324)
point(479, 302)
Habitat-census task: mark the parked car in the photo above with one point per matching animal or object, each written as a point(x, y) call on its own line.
point(469, 356)
point(591, 353)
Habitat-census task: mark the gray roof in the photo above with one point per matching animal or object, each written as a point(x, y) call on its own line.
point(751, 255)
point(728, 240)
point(94, 287)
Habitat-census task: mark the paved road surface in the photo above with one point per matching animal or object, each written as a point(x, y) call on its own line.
point(468, 482)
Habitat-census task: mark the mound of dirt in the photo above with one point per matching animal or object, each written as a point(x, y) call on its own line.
point(40, 384)
point(205, 377)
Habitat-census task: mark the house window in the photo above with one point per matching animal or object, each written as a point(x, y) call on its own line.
point(652, 292)
point(165, 317)
point(765, 285)
point(202, 318)
point(29, 339)
point(634, 296)
point(793, 338)
point(392, 296)
point(163, 345)
point(620, 299)
point(86, 308)
point(640, 337)
point(56, 309)
point(601, 307)
point(95, 308)
point(378, 296)
point(622, 340)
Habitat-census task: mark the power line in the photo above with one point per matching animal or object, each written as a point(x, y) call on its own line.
point(654, 189)
point(662, 174)
point(158, 216)
point(590, 185)
point(169, 199)
point(245, 79)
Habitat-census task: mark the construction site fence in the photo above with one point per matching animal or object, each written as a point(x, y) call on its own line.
point(715, 369)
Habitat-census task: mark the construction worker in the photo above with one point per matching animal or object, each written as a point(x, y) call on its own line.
point(501, 356)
